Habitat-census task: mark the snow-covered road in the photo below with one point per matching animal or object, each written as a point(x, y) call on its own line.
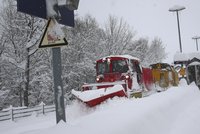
point(175, 111)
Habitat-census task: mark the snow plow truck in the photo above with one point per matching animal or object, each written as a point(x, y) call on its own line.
point(119, 75)
point(164, 75)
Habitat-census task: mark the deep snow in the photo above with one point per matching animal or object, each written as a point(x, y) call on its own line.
point(174, 111)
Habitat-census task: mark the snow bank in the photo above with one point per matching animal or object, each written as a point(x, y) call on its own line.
point(171, 112)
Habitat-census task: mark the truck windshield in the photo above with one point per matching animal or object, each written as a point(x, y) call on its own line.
point(119, 66)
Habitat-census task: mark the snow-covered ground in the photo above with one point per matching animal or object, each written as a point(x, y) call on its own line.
point(175, 111)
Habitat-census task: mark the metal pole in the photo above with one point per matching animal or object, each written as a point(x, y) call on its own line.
point(179, 33)
point(58, 86)
point(196, 39)
point(27, 72)
point(197, 44)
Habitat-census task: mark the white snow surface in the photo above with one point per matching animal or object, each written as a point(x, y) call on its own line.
point(174, 111)
point(61, 2)
point(49, 5)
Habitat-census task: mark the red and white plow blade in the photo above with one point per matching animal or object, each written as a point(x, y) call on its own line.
point(95, 97)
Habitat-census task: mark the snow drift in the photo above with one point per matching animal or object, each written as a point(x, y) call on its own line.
point(173, 111)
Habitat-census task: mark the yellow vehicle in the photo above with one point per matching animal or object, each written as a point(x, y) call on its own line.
point(164, 75)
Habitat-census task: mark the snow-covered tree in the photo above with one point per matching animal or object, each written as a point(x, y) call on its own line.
point(21, 34)
point(156, 52)
point(78, 57)
point(138, 48)
point(117, 37)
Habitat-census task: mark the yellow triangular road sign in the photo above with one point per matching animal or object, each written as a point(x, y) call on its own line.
point(53, 35)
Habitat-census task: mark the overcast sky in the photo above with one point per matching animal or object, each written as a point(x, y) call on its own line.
point(151, 18)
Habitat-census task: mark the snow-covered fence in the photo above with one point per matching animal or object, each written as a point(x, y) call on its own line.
point(13, 113)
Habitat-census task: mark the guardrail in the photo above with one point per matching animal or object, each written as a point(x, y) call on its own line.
point(13, 113)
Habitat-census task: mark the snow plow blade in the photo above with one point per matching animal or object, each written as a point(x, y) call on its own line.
point(95, 97)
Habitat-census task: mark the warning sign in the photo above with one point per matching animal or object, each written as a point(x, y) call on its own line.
point(53, 35)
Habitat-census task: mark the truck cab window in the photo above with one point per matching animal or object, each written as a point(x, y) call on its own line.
point(119, 66)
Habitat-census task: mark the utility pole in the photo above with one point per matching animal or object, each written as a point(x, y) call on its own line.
point(177, 9)
point(196, 39)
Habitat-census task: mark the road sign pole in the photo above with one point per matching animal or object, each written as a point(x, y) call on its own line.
point(65, 15)
point(58, 86)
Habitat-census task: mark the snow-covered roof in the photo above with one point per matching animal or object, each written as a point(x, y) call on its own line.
point(194, 63)
point(180, 57)
point(123, 56)
point(186, 56)
point(194, 55)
